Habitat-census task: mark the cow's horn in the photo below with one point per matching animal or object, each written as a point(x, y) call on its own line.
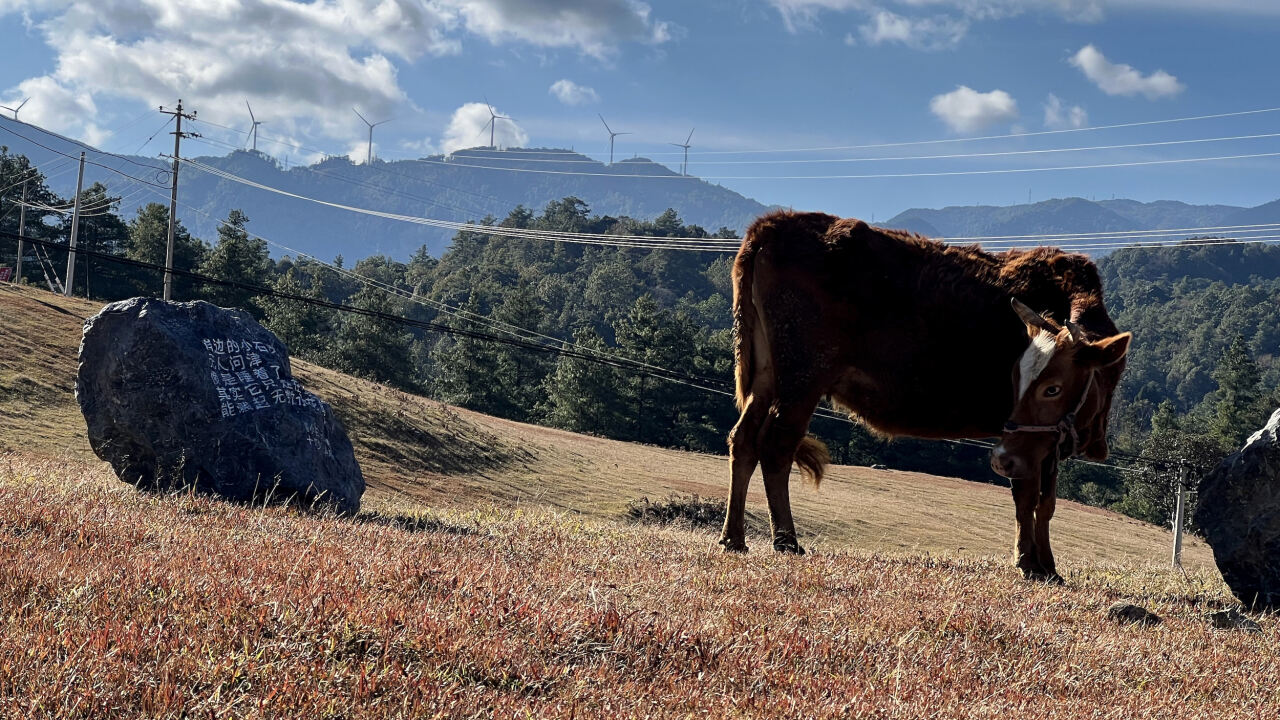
point(1031, 317)
point(1077, 332)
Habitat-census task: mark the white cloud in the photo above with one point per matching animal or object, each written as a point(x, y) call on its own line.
point(1058, 116)
point(571, 93)
point(966, 110)
point(57, 107)
point(300, 63)
point(469, 127)
point(934, 33)
point(595, 27)
point(1122, 79)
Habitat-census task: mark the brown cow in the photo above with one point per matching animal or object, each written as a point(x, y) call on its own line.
point(913, 337)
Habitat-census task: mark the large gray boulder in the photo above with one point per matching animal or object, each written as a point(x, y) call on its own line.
point(1239, 514)
point(183, 394)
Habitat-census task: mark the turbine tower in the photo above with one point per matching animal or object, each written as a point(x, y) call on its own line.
point(493, 123)
point(253, 130)
point(368, 158)
point(612, 135)
point(684, 167)
point(15, 110)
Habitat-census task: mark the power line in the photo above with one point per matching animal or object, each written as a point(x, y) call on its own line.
point(871, 176)
point(1064, 241)
point(641, 241)
point(952, 156)
point(78, 143)
point(90, 162)
point(1111, 233)
point(940, 141)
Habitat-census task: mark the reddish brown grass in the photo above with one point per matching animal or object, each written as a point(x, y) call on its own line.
point(120, 604)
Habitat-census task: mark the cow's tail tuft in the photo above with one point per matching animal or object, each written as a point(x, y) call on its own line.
point(812, 457)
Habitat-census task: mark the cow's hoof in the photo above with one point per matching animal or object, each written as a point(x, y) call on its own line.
point(1048, 577)
point(733, 546)
point(788, 545)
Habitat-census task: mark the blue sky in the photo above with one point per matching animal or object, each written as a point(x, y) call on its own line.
point(755, 75)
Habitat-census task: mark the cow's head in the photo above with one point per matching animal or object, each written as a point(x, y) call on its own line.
point(1062, 394)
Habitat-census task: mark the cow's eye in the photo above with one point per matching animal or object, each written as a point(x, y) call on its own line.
point(1053, 391)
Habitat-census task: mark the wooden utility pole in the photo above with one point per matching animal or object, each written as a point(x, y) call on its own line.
point(178, 116)
point(75, 232)
point(22, 227)
point(1178, 513)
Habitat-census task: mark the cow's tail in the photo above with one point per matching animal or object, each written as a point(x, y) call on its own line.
point(744, 321)
point(812, 456)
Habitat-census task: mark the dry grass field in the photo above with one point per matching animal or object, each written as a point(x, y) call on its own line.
point(492, 576)
point(119, 604)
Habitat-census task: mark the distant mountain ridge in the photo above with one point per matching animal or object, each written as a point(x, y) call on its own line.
point(1078, 215)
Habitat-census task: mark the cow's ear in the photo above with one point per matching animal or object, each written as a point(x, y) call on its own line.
point(1107, 351)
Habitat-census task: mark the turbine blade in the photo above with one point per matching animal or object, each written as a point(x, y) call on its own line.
point(686, 140)
point(251, 117)
point(606, 125)
point(357, 112)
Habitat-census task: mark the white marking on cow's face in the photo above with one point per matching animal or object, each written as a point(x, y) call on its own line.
point(1035, 360)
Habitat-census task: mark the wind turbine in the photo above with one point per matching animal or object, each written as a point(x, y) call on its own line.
point(493, 122)
point(612, 135)
point(253, 131)
point(684, 167)
point(368, 158)
point(15, 110)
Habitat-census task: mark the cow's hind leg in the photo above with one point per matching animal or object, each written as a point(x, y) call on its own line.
point(787, 426)
point(743, 457)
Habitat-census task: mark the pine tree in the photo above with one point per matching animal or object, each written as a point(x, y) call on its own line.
point(663, 339)
point(1239, 409)
point(302, 327)
point(148, 243)
point(466, 368)
point(239, 258)
point(373, 347)
point(583, 396)
point(520, 372)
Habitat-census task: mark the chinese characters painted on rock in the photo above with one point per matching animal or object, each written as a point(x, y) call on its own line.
point(247, 376)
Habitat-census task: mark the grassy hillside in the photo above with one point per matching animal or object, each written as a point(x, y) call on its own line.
point(418, 454)
point(115, 603)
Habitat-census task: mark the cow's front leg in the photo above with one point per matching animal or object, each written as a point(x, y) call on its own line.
point(1026, 493)
point(1044, 555)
